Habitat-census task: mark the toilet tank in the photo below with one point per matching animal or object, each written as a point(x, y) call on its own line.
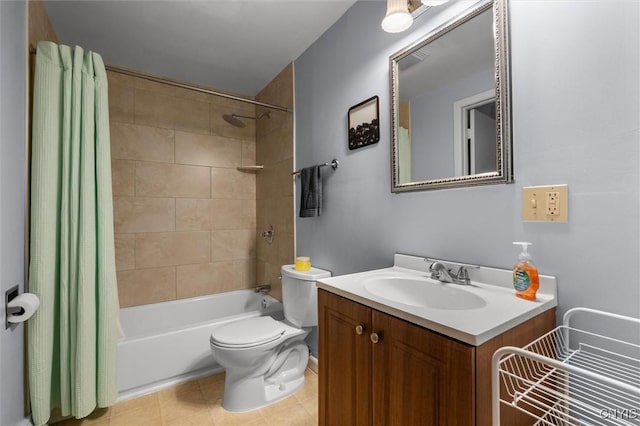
point(300, 295)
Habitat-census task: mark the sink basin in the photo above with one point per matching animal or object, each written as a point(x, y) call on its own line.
point(422, 293)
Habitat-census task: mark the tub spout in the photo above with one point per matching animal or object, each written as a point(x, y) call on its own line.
point(263, 288)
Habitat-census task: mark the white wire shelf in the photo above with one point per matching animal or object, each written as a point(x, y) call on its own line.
point(571, 376)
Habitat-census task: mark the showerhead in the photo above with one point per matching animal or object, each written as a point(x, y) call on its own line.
point(233, 119)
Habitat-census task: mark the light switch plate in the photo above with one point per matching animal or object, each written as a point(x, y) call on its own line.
point(545, 203)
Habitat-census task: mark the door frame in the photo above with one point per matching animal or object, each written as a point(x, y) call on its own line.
point(460, 125)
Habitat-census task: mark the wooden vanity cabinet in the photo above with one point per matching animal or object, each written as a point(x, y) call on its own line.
point(376, 369)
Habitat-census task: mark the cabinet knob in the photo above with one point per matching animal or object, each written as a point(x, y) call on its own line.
point(375, 338)
point(359, 329)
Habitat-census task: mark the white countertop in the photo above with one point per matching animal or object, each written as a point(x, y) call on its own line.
point(502, 311)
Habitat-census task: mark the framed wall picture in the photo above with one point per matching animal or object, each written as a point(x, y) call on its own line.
point(364, 123)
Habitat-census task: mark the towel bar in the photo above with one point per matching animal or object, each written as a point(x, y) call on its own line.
point(333, 163)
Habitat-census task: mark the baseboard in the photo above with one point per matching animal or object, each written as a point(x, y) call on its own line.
point(313, 364)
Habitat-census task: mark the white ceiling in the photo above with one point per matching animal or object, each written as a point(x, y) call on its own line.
point(232, 45)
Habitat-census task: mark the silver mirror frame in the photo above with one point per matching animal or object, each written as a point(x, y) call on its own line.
point(504, 172)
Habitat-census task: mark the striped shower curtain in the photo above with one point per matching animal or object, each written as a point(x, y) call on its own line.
point(71, 340)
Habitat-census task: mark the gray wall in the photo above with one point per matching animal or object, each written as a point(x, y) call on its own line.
point(432, 125)
point(13, 49)
point(575, 121)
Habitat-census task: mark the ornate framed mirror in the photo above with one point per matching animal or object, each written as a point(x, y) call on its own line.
point(450, 104)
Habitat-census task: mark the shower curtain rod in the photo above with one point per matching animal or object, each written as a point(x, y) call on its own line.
point(183, 85)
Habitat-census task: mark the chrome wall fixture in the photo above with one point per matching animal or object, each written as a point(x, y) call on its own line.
point(267, 234)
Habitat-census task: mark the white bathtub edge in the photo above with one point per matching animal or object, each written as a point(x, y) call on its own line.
point(313, 364)
point(163, 384)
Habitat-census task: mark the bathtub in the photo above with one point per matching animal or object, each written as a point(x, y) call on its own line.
point(167, 343)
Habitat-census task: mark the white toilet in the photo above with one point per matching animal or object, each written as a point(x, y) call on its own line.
point(265, 359)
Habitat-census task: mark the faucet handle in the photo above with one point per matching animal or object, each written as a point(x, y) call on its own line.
point(463, 275)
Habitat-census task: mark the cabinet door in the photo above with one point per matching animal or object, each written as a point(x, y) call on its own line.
point(344, 361)
point(420, 377)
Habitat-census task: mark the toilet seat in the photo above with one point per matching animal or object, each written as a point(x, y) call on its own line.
point(248, 333)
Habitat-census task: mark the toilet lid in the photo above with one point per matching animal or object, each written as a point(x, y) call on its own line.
point(248, 332)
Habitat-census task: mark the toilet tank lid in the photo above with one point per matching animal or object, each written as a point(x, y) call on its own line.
point(312, 274)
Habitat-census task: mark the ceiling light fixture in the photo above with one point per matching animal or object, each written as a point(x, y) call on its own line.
point(431, 3)
point(398, 17)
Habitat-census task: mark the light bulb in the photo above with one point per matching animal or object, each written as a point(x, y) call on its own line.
point(398, 17)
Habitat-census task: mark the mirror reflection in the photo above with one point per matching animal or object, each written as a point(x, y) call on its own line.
point(446, 115)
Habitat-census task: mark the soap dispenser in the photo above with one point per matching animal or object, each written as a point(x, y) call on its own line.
point(525, 274)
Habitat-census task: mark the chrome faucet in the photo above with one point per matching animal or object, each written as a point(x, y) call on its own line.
point(441, 273)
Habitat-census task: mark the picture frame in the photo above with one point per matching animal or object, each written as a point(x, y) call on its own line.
point(364, 123)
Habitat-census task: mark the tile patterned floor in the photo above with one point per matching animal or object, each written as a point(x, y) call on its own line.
point(199, 403)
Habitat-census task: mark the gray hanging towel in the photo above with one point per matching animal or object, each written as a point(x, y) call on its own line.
point(311, 195)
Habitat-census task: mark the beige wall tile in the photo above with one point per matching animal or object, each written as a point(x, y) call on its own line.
point(191, 116)
point(172, 248)
point(249, 272)
point(123, 174)
point(116, 78)
point(279, 91)
point(286, 210)
point(248, 153)
point(201, 214)
point(274, 184)
point(143, 286)
point(40, 27)
point(278, 119)
point(285, 249)
point(194, 214)
point(169, 180)
point(231, 183)
point(282, 215)
point(151, 86)
point(233, 106)
point(153, 109)
point(125, 251)
point(136, 142)
point(249, 213)
point(229, 214)
point(131, 214)
point(233, 244)
point(120, 103)
point(208, 150)
point(209, 278)
point(284, 179)
point(140, 83)
point(275, 146)
point(192, 95)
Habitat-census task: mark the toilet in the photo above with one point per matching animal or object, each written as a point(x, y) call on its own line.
point(265, 359)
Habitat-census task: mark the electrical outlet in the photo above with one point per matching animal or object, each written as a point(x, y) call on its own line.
point(545, 203)
point(552, 203)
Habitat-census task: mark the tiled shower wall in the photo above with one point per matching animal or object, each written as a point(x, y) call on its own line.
point(274, 147)
point(185, 218)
